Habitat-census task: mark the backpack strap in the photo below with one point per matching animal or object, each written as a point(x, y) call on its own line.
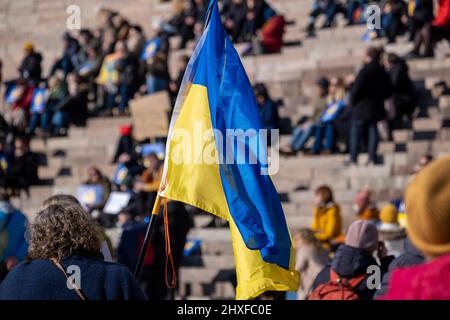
point(73, 284)
point(353, 282)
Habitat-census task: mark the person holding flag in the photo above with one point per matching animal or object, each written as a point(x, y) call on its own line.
point(216, 99)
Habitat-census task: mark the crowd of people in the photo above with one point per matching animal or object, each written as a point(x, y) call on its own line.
point(404, 243)
point(409, 232)
point(416, 18)
point(354, 113)
point(100, 70)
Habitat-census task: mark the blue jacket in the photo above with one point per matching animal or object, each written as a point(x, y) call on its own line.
point(13, 225)
point(41, 280)
point(411, 257)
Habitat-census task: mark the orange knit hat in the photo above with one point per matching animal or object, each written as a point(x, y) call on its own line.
point(427, 201)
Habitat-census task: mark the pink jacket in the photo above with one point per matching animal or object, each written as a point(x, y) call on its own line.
point(430, 281)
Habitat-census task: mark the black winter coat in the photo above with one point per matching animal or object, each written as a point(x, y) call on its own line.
point(403, 90)
point(371, 87)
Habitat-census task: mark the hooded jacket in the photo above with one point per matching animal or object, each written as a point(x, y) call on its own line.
point(350, 262)
point(410, 257)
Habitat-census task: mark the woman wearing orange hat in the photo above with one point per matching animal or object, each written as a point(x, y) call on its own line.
point(428, 206)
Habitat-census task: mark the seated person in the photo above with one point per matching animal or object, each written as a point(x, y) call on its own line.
point(393, 11)
point(325, 128)
point(95, 177)
point(432, 33)
point(57, 92)
point(350, 264)
point(306, 127)
point(267, 108)
point(13, 246)
point(329, 8)
point(420, 13)
point(24, 166)
point(327, 220)
point(364, 208)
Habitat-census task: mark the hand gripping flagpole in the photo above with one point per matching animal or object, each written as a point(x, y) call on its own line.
point(148, 237)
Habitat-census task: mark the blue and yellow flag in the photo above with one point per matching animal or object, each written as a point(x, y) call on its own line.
point(38, 100)
point(216, 98)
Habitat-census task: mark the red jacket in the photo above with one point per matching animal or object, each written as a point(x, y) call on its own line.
point(25, 101)
point(443, 15)
point(272, 34)
point(430, 281)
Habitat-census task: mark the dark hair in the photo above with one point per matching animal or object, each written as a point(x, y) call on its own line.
point(392, 58)
point(137, 28)
point(429, 157)
point(326, 193)
point(4, 196)
point(374, 53)
point(61, 199)
point(60, 231)
point(261, 90)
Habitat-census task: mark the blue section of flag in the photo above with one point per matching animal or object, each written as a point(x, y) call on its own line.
point(252, 199)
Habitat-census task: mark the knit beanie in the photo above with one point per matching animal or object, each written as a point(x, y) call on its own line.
point(362, 234)
point(389, 214)
point(427, 201)
point(362, 199)
point(125, 130)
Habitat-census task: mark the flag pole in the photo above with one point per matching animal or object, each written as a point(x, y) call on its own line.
point(148, 236)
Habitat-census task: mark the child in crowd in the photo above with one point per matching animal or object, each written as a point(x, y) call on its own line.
point(390, 231)
point(327, 221)
point(364, 208)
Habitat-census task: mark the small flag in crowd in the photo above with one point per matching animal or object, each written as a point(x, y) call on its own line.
point(108, 71)
point(13, 94)
point(90, 195)
point(332, 111)
point(38, 100)
point(150, 49)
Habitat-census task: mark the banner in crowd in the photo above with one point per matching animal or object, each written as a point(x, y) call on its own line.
point(150, 115)
point(90, 195)
point(13, 94)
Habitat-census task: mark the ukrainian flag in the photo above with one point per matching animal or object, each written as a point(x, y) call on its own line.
point(216, 96)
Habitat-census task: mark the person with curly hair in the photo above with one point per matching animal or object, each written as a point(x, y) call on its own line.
point(64, 262)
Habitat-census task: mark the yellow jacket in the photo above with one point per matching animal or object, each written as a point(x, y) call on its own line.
point(327, 222)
